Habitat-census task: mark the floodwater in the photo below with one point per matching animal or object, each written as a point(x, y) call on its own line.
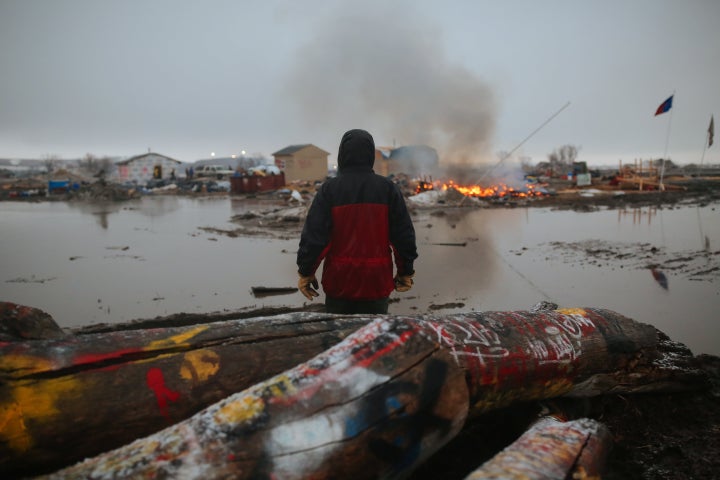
point(87, 264)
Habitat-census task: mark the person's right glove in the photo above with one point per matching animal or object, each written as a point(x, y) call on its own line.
point(306, 284)
point(403, 283)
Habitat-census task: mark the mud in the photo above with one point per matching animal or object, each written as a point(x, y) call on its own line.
point(698, 265)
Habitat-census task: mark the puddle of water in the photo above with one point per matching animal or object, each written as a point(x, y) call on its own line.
point(86, 264)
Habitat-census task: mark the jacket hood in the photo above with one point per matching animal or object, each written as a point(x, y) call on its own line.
point(357, 149)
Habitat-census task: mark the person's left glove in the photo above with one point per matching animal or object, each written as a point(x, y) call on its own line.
point(403, 283)
point(306, 284)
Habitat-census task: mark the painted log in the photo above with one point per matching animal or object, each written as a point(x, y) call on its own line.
point(69, 398)
point(21, 322)
point(551, 448)
point(390, 395)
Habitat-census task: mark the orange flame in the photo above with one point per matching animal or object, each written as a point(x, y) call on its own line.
point(498, 190)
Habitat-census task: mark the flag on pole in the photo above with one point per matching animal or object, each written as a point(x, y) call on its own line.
point(711, 131)
point(665, 106)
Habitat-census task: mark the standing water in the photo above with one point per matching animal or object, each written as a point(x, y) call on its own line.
point(89, 263)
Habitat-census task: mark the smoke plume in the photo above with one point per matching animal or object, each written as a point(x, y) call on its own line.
point(383, 68)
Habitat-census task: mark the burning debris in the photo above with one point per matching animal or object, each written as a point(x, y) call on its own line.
point(497, 190)
point(428, 191)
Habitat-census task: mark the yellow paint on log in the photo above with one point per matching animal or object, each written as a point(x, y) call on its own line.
point(34, 401)
point(199, 365)
point(281, 386)
point(23, 364)
point(251, 404)
point(177, 339)
point(241, 410)
point(12, 427)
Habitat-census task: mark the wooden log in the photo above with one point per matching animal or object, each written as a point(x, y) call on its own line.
point(390, 395)
point(20, 322)
point(259, 292)
point(63, 400)
point(551, 449)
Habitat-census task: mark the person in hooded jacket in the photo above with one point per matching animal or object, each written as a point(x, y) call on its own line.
point(357, 223)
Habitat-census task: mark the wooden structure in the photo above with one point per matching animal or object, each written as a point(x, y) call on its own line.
point(302, 163)
point(145, 167)
point(642, 178)
point(391, 394)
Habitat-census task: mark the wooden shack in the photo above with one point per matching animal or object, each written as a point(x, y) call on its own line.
point(302, 163)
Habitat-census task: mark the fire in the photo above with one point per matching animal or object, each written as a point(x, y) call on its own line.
point(498, 190)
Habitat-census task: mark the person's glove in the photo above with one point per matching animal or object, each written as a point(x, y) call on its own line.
point(306, 284)
point(403, 283)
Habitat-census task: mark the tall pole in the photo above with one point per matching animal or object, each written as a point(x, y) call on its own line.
point(667, 141)
point(524, 140)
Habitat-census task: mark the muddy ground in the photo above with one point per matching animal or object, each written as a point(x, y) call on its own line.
point(656, 436)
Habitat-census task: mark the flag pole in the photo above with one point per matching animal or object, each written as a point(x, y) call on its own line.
point(667, 141)
point(707, 138)
point(487, 172)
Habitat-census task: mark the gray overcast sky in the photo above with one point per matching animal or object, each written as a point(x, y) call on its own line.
point(470, 78)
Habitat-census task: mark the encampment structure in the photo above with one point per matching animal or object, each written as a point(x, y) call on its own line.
point(303, 163)
point(141, 168)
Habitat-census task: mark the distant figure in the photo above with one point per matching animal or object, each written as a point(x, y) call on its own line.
point(172, 174)
point(354, 223)
point(191, 173)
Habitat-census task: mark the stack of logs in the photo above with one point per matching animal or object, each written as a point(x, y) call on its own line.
point(315, 395)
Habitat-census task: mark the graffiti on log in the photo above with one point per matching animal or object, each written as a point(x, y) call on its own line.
point(382, 400)
point(107, 389)
point(552, 449)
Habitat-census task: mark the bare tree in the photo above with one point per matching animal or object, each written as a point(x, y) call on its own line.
point(96, 166)
point(88, 163)
point(50, 161)
point(562, 158)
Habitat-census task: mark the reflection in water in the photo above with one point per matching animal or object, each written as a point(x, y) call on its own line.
point(704, 239)
point(638, 214)
point(101, 211)
point(103, 219)
point(479, 265)
point(659, 277)
point(445, 260)
point(171, 265)
point(151, 207)
point(159, 206)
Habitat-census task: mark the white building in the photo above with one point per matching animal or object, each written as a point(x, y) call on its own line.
point(141, 168)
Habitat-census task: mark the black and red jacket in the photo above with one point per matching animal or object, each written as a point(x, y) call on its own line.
point(355, 221)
